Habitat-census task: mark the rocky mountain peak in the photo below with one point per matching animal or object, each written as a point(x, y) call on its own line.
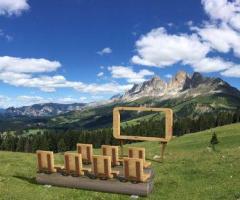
point(180, 84)
point(181, 76)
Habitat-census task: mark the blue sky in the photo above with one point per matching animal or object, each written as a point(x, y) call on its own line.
point(88, 50)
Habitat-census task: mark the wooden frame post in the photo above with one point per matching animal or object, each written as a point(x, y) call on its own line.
point(163, 147)
point(121, 148)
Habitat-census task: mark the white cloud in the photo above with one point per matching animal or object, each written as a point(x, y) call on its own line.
point(160, 49)
point(223, 10)
point(5, 36)
point(121, 72)
point(24, 72)
point(211, 65)
point(83, 99)
point(222, 38)
point(168, 76)
point(100, 74)
point(30, 100)
point(189, 23)
point(51, 83)
point(26, 100)
point(170, 24)
point(13, 7)
point(232, 72)
point(106, 50)
point(27, 65)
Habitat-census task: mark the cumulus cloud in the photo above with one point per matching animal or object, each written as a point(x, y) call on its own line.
point(13, 7)
point(232, 72)
point(158, 48)
point(51, 83)
point(224, 11)
point(27, 65)
point(211, 65)
point(221, 38)
point(121, 72)
point(221, 34)
point(31, 72)
point(106, 50)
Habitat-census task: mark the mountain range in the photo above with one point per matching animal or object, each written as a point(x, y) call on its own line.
point(47, 109)
point(181, 85)
point(188, 95)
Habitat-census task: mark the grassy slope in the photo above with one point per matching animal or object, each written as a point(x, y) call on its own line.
point(99, 117)
point(190, 171)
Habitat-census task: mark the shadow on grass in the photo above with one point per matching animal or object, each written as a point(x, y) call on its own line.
point(28, 179)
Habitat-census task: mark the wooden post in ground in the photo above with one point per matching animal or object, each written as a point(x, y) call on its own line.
point(163, 147)
point(121, 146)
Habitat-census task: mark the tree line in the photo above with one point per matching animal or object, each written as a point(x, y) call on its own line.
point(60, 140)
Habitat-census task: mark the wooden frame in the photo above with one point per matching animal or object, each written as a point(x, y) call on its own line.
point(117, 124)
point(102, 168)
point(163, 140)
point(73, 164)
point(138, 152)
point(112, 151)
point(133, 170)
point(87, 152)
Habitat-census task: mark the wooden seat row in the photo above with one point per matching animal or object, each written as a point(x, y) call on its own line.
point(101, 165)
point(113, 151)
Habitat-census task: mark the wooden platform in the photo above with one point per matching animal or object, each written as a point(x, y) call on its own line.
point(110, 185)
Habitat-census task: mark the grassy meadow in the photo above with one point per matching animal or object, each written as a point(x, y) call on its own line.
point(191, 170)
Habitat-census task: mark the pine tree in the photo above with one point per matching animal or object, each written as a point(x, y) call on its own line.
point(20, 144)
point(214, 140)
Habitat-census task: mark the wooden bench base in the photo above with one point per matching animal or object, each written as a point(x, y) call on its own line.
point(110, 185)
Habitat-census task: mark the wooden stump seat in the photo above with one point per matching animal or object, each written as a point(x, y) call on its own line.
point(133, 170)
point(101, 167)
point(73, 164)
point(138, 152)
point(111, 151)
point(86, 150)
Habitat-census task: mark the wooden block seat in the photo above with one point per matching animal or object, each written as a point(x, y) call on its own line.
point(73, 164)
point(138, 152)
point(101, 167)
point(45, 162)
point(86, 150)
point(133, 170)
point(111, 151)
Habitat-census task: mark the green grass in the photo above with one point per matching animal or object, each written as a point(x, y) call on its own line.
point(190, 171)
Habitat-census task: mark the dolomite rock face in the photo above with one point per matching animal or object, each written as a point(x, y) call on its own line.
point(181, 85)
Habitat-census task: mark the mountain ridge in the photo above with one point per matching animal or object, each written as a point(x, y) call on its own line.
point(182, 84)
point(44, 109)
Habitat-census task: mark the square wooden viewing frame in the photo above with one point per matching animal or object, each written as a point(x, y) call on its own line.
point(168, 124)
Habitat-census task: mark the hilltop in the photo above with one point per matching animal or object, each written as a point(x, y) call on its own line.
point(190, 171)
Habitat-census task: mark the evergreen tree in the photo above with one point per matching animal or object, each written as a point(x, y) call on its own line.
point(214, 140)
point(20, 144)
